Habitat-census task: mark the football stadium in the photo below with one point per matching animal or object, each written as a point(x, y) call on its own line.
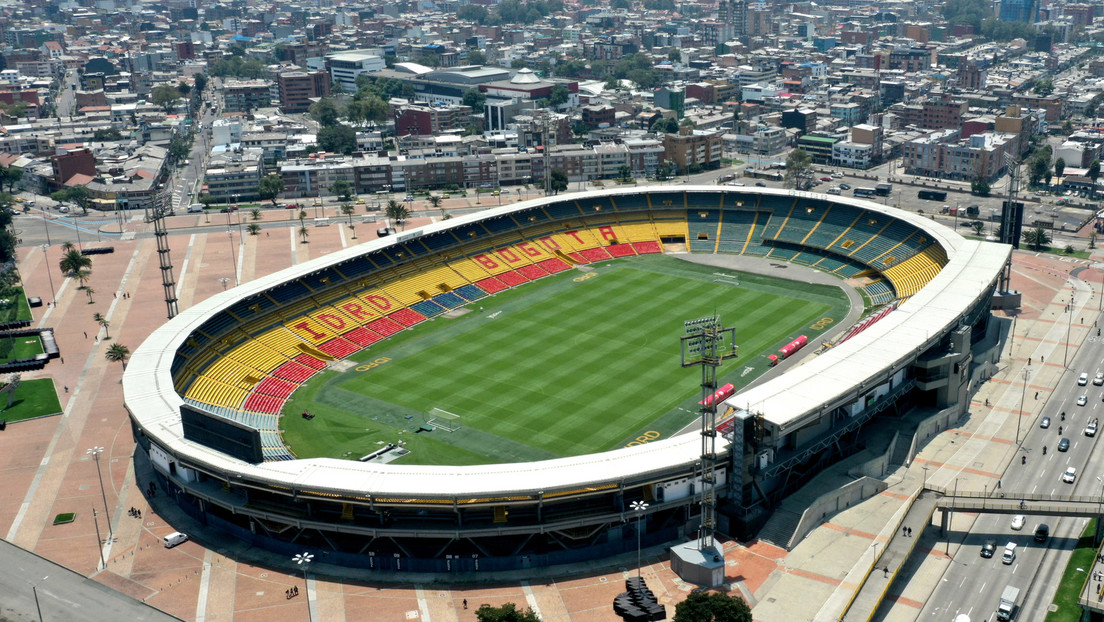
point(494, 391)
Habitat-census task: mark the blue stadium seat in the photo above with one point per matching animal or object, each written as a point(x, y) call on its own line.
point(428, 308)
point(449, 300)
point(289, 291)
point(470, 292)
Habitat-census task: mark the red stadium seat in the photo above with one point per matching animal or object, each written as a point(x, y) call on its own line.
point(407, 317)
point(275, 387)
point(513, 278)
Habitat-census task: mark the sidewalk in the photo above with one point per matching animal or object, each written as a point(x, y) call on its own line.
point(893, 559)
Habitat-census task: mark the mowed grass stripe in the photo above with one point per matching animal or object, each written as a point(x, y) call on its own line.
point(566, 367)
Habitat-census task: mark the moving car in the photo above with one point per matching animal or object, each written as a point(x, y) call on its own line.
point(1063, 445)
point(988, 549)
point(1042, 532)
point(1045, 423)
point(1090, 430)
point(1099, 379)
point(1082, 380)
point(1069, 475)
point(1009, 553)
point(1081, 401)
point(1018, 522)
point(760, 184)
point(845, 186)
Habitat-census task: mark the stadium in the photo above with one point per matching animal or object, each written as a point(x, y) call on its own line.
point(206, 392)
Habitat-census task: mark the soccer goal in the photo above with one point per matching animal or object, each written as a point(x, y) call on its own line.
point(444, 420)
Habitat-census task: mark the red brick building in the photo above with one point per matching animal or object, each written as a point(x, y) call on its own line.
point(298, 87)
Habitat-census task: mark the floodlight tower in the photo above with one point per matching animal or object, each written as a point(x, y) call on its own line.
point(704, 346)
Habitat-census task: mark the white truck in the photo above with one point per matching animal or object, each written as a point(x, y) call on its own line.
point(1008, 603)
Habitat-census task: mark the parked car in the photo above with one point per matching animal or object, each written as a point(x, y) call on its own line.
point(826, 178)
point(760, 184)
point(845, 186)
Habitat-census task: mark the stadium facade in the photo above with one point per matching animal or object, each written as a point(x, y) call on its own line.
point(204, 392)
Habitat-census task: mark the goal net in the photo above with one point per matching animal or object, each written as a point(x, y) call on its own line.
point(444, 420)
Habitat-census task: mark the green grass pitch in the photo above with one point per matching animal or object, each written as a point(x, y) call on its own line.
point(576, 363)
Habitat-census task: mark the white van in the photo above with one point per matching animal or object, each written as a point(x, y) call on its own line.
point(1083, 379)
point(1009, 553)
point(835, 190)
point(195, 207)
point(175, 538)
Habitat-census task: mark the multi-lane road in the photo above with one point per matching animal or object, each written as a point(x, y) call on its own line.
point(971, 584)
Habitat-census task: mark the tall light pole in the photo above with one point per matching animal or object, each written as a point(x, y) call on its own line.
point(49, 275)
point(34, 590)
point(304, 560)
point(950, 521)
point(1069, 327)
point(95, 453)
point(638, 507)
point(1026, 373)
point(99, 542)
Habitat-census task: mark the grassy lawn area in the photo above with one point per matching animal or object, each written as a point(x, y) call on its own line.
point(576, 363)
point(16, 348)
point(33, 398)
point(1069, 590)
point(14, 307)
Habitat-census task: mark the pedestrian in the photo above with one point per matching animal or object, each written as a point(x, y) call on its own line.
point(1042, 359)
point(62, 359)
point(86, 334)
point(904, 531)
point(1036, 395)
point(465, 603)
point(886, 571)
point(998, 484)
point(114, 294)
point(910, 532)
point(66, 388)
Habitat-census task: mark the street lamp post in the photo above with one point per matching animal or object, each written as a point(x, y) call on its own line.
point(638, 507)
point(951, 519)
point(1069, 327)
point(95, 453)
point(49, 275)
point(304, 560)
point(99, 542)
point(1026, 373)
point(34, 590)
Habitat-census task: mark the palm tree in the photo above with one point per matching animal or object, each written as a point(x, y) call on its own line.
point(397, 212)
point(118, 353)
point(68, 246)
point(435, 202)
point(102, 321)
point(353, 229)
point(304, 233)
point(83, 276)
point(302, 216)
point(254, 228)
point(73, 261)
point(255, 213)
point(90, 291)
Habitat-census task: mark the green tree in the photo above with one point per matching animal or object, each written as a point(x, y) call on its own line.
point(304, 233)
point(476, 57)
point(665, 170)
point(1059, 168)
point(325, 112)
point(77, 195)
point(435, 202)
point(200, 81)
point(73, 261)
point(270, 187)
point(474, 98)
point(558, 181)
point(1037, 167)
point(1094, 174)
point(559, 95)
point(341, 188)
point(206, 199)
point(506, 613)
point(1043, 87)
point(625, 172)
point(255, 213)
point(165, 96)
point(337, 139)
point(253, 228)
point(104, 324)
point(798, 168)
point(118, 353)
point(1036, 238)
point(977, 226)
point(712, 607)
point(979, 186)
point(348, 210)
point(106, 135)
point(397, 213)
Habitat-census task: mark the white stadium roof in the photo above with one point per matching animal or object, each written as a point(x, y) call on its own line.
point(151, 398)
